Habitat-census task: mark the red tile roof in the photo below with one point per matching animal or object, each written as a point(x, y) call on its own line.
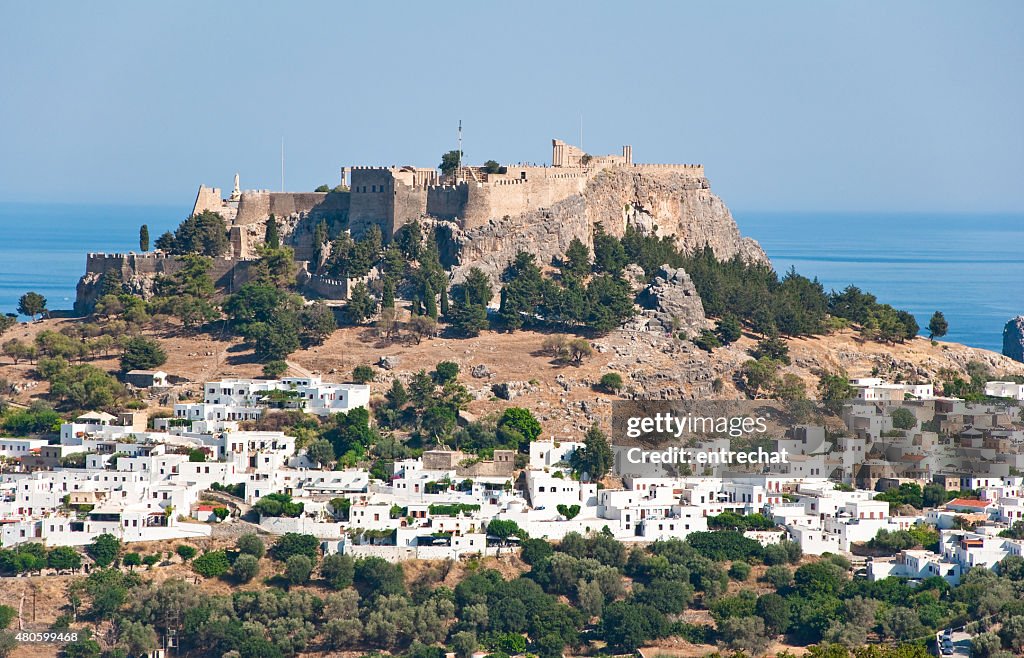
point(967, 502)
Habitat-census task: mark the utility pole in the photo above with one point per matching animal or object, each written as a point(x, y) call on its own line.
point(458, 170)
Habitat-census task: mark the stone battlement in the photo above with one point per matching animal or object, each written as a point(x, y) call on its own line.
point(690, 169)
point(389, 197)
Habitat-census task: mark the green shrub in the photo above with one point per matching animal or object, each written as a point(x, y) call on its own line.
point(211, 564)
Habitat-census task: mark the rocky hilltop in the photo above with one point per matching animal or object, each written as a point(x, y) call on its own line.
point(664, 203)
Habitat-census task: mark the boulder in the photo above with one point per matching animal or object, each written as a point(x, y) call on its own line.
point(1013, 339)
point(671, 302)
point(512, 390)
point(388, 362)
point(481, 371)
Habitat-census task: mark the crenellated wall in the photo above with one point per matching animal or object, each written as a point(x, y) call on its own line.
point(694, 170)
point(256, 205)
point(390, 197)
point(408, 203)
point(447, 201)
point(138, 272)
point(515, 196)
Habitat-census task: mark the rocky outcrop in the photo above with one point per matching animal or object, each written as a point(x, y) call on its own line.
point(546, 233)
point(512, 390)
point(668, 204)
point(138, 273)
point(671, 302)
point(1013, 338)
point(660, 203)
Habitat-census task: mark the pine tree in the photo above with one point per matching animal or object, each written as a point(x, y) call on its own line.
point(360, 305)
point(728, 329)
point(110, 283)
point(32, 304)
point(467, 318)
point(595, 457)
point(577, 259)
point(937, 326)
point(397, 396)
point(144, 238)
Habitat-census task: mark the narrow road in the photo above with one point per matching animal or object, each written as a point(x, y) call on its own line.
point(299, 370)
point(961, 645)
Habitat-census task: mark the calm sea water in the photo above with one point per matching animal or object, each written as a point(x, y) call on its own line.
point(43, 246)
point(971, 267)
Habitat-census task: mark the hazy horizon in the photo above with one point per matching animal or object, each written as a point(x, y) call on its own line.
point(799, 107)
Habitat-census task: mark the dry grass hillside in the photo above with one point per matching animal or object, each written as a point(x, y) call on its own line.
point(563, 395)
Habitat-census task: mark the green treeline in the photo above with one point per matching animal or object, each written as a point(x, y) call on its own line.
point(584, 594)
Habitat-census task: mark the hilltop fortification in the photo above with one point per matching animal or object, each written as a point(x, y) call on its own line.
point(487, 214)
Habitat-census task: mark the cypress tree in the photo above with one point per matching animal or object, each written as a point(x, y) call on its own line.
point(387, 295)
point(319, 238)
point(444, 301)
point(144, 238)
point(429, 301)
point(271, 237)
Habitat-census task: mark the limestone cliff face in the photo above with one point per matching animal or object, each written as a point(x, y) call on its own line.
point(663, 203)
point(668, 204)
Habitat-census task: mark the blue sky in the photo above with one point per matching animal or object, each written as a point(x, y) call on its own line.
point(910, 106)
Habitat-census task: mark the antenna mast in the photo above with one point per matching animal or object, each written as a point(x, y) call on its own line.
point(458, 171)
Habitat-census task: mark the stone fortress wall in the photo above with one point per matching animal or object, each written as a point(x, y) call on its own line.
point(246, 214)
point(138, 273)
point(390, 197)
point(492, 214)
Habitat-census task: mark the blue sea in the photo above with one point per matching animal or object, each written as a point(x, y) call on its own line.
point(43, 247)
point(971, 267)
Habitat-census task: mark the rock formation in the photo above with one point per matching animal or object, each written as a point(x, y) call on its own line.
point(671, 302)
point(548, 208)
point(661, 203)
point(1013, 338)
